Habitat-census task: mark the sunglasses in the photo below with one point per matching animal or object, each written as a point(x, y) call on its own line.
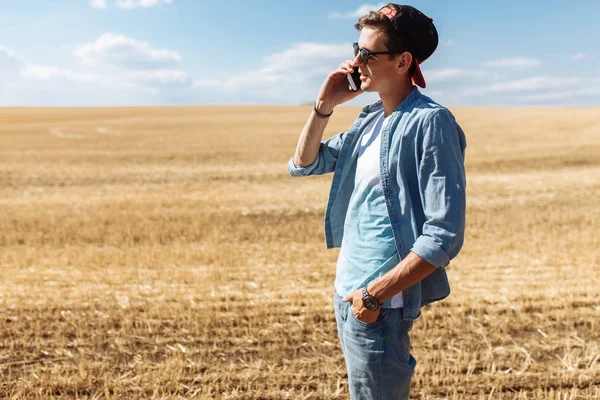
point(365, 54)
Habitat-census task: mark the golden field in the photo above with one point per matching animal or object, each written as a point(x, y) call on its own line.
point(162, 253)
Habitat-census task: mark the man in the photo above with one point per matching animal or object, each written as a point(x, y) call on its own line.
point(397, 202)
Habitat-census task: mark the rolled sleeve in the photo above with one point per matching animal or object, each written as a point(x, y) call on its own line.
point(442, 184)
point(426, 248)
point(296, 170)
point(324, 162)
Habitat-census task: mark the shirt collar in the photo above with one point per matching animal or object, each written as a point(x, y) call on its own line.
point(405, 104)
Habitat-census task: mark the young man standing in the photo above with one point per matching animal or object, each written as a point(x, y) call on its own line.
point(397, 202)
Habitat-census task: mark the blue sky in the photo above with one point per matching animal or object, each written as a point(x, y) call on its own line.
point(155, 52)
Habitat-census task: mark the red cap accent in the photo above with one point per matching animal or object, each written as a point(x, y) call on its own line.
point(388, 12)
point(417, 76)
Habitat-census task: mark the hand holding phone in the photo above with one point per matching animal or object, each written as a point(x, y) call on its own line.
point(354, 80)
point(341, 85)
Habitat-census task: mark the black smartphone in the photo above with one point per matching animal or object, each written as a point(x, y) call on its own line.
point(354, 80)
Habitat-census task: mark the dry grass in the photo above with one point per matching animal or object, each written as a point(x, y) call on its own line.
point(166, 253)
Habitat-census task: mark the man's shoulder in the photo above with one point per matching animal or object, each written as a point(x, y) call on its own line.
point(424, 108)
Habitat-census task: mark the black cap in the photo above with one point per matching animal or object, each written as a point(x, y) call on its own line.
point(417, 33)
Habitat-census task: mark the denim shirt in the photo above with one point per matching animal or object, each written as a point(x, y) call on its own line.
point(423, 179)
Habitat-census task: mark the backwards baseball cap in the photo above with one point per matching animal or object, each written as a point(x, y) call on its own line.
point(417, 32)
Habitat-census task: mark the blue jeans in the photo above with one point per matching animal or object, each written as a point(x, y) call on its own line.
point(378, 359)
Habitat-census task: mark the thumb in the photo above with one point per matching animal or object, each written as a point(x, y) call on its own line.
point(347, 297)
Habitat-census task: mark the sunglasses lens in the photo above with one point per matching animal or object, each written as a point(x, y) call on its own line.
point(364, 56)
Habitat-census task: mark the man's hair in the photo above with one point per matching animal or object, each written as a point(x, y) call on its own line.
point(381, 23)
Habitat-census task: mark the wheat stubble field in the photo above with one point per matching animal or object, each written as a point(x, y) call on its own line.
point(160, 253)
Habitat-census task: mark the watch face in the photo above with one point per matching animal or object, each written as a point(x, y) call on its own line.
point(370, 303)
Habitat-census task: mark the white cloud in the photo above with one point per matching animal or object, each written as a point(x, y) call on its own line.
point(132, 62)
point(304, 58)
point(123, 51)
point(13, 65)
point(447, 74)
point(593, 91)
point(42, 72)
point(10, 61)
point(447, 42)
point(578, 56)
point(442, 74)
point(293, 75)
point(129, 4)
point(32, 84)
point(587, 91)
point(161, 78)
point(199, 83)
point(434, 93)
point(524, 85)
point(98, 3)
point(359, 12)
point(515, 62)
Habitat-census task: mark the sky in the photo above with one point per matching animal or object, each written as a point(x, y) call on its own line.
point(171, 52)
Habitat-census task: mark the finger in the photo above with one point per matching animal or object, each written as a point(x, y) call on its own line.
point(349, 296)
point(340, 71)
point(347, 66)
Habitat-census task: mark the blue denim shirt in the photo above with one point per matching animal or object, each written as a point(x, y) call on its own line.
point(423, 180)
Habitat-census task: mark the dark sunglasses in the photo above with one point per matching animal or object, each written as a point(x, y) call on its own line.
point(365, 54)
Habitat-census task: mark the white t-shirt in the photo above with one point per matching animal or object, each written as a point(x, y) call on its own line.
point(368, 246)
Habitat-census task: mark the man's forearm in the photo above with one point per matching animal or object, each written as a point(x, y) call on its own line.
point(409, 271)
point(311, 136)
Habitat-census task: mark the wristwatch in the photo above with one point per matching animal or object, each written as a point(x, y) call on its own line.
point(369, 301)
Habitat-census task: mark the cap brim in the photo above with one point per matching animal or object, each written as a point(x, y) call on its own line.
point(417, 77)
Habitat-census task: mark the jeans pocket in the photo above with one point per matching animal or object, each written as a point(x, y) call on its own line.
point(378, 322)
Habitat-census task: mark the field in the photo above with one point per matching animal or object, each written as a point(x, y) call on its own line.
point(162, 253)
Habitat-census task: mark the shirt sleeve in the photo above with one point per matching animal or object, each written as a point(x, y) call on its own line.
point(325, 161)
point(442, 184)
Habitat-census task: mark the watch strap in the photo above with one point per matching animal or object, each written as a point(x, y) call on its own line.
point(367, 295)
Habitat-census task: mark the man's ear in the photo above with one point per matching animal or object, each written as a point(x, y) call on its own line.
point(404, 63)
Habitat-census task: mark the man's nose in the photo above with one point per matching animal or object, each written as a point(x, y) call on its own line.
point(357, 62)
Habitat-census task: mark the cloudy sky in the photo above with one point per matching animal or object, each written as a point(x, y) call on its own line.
point(150, 52)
